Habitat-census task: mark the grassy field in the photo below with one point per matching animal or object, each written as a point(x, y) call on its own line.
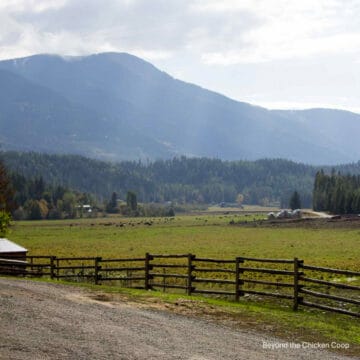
point(211, 235)
point(203, 235)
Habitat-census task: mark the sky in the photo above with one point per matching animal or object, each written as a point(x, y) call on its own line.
point(283, 54)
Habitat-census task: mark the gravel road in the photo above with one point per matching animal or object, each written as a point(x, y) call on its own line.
point(49, 321)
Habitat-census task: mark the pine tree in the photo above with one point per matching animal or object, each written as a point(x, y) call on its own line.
point(295, 202)
point(131, 200)
point(6, 191)
point(112, 206)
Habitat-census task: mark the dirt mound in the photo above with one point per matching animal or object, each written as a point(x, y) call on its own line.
point(308, 222)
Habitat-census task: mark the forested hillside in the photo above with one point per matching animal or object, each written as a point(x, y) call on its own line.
point(183, 180)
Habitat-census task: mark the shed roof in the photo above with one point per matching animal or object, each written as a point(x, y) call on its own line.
point(7, 246)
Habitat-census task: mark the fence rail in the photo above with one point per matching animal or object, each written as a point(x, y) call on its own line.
point(308, 283)
point(238, 278)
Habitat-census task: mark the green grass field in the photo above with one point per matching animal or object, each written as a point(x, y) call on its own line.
point(205, 235)
point(210, 235)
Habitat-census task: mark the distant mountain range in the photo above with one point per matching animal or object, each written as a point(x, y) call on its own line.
point(115, 106)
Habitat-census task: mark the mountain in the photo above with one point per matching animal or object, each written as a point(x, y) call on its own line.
point(34, 117)
point(115, 106)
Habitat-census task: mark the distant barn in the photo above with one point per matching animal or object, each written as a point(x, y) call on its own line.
point(9, 249)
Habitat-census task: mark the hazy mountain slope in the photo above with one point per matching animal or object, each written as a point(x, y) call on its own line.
point(33, 117)
point(335, 128)
point(149, 114)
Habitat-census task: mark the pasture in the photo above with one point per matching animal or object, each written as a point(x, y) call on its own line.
point(203, 235)
point(210, 235)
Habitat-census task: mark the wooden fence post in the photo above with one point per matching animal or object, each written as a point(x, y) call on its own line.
point(97, 267)
point(164, 280)
point(52, 266)
point(238, 282)
point(190, 278)
point(57, 269)
point(147, 271)
point(296, 284)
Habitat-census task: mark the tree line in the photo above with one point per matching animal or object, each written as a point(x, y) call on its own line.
point(34, 199)
point(24, 198)
point(42, 186)
point(132, 208)
point(182, 180)
point(336, 193)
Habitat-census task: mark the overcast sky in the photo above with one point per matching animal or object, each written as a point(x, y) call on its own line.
point(275, 53)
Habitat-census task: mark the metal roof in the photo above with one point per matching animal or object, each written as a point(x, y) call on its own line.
point(7, 246)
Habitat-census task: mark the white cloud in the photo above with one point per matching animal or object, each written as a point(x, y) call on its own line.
point(36, 6)
point(217, 32)
point(200, 38)
point(277, 50)
point(290, 30)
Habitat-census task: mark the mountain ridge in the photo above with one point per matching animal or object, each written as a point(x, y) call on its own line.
point(139, 112)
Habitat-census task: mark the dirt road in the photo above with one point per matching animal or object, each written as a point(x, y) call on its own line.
point(49, 321)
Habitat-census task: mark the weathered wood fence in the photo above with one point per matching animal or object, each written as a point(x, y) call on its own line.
point(287, 279)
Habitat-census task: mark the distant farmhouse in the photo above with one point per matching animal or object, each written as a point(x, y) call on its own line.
point(86, 208)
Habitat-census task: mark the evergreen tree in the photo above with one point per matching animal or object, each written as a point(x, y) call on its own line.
point(341, 193)
point(131, 200)
point(38, 188)
point(6, 200)
point(6, 191)
point(295, 202)
point(112, 205)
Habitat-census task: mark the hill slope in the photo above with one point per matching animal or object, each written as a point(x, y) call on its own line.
point(137, 111)
point(190, 180)
point(34, 117)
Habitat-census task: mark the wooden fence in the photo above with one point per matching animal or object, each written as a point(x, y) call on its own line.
point(242, 277)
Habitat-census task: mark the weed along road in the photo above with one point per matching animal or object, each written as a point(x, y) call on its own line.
point(51, 321)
